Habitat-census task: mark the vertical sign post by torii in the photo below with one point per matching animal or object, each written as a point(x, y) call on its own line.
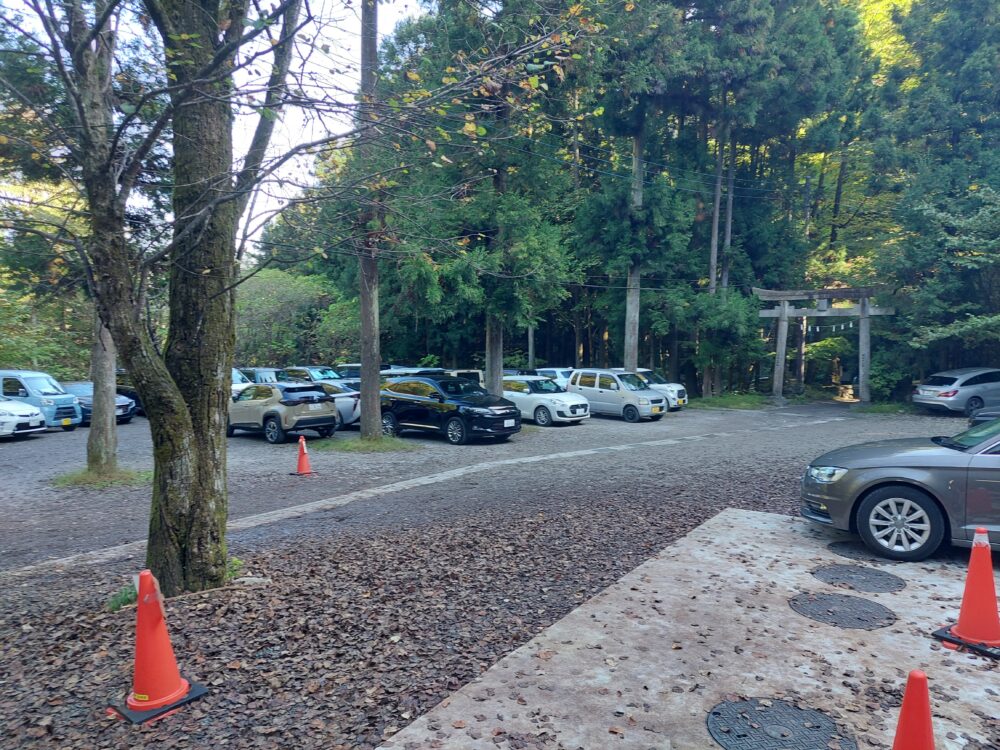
point(864, 311)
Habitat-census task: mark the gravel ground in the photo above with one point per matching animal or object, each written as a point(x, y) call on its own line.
point(377, 610)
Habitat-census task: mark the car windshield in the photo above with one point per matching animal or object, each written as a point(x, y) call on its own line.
point(80, 389)
point(971, 437)
point(939, 380)
point(461, 387)
point(631, 381)
point(653, 377)
point(239, 377)
point(546, 386)
point(45, 385)
point(324, 373)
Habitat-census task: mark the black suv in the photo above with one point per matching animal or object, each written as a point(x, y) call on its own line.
point(460, 409)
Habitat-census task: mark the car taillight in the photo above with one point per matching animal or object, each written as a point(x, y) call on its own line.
point(291, 402)
point(947, 394)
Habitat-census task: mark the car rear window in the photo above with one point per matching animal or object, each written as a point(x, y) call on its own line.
point(939, 380)
point(300, 393)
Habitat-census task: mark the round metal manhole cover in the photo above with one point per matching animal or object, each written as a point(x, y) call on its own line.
point(843, 611)
point(761, 724)
point(854, 549)
point(860, 579)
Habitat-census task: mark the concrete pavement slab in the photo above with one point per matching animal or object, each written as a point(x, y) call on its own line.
point(641, 665)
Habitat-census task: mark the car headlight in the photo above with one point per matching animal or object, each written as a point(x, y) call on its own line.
point(826, 474)
point(7, 413)
point(48, 402)
point(643, 402)
point(478, 412)
point(75, 400)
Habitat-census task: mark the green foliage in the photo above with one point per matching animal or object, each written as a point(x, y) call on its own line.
point(732, 401)
point(124, 597)
point(234, 568)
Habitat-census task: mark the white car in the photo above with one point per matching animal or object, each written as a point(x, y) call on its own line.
point(675, 393)
point(17, 418)
point(558, 374)
point(543, 400)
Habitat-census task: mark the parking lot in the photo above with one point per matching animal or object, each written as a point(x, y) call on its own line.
point(388, 581)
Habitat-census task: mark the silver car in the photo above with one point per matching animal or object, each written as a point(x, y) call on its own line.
point(967, 390)
point(619, 394)
point(905, 497)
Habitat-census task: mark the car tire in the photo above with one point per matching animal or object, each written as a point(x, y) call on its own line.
point(674, 408)
point(69, 427)
point(230, 430)
point(325, 432)
point(973, 405)
point(656, 418)
point(456, 432)
point(390, 425)
point(879, 512)
point(274, 433)
point(543, 417)
point(631, 414)
point(502, 438)
point(125, 421)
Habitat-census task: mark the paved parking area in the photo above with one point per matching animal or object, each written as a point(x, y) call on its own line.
point(42, 522)
point(707, 620)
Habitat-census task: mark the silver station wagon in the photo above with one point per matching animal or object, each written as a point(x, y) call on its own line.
point(967, 390)
point(906, 497)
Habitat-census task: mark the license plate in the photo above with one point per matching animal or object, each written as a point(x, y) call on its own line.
point(315, 407)
point(508, 423)
point(35, 423)
point(657, 409)
point(65, 422)
point(681, 401)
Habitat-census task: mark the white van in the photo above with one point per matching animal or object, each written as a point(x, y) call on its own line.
point(620, 394)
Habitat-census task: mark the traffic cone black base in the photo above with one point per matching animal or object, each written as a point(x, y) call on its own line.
point(122, 711)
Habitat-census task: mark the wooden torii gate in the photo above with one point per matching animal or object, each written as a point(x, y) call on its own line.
point(823, 297)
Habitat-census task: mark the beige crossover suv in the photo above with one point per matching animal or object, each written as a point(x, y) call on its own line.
point(279, 408)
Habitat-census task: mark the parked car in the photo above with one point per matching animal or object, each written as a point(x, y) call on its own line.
point(261, 374)
point(353, 369)
point(312, 373)
point(42, 391)
point(558, 374)
point(620, 394)
point(518, 371)
point(458, 408)
point(240, 381)
point(84, 390)
point(476, 376)
point(675, 393)
point(348, 402)
point(545, 401)
point(984, 415)
point(17, 418)
point(966, 390)
point(905, 497)
point(277, 409)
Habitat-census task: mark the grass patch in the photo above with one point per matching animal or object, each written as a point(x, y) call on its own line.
point(234, 568)
point(527, 429)
point(887, 407)
point(89, 480)
point(732, 401)
point(384, 444)
point(125, 596)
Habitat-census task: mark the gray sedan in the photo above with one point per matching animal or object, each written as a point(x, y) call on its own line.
point(905, 497)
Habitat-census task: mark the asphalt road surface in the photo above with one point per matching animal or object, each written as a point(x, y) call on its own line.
point(748, 459)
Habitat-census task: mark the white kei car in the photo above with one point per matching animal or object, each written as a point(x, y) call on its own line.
point(543, 400)
point(675, 393)
point(558, 374)
point(17, 418)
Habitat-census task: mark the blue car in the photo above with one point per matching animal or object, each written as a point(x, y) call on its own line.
point(84, 390)
point(43, 391)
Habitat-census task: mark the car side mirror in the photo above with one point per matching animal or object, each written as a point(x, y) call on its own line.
point(236, 397)
point(21, 393)
point(614, 386)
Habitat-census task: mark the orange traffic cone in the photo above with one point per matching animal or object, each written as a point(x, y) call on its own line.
point(303, 468)
point(978, 627)
point(914, 730)
point(157, 686)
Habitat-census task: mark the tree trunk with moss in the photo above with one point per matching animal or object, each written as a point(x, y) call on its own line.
point(102, 438)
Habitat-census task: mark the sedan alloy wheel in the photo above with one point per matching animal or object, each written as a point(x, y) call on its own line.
point(901, 523)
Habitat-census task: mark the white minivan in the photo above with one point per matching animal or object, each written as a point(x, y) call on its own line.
point(620, 394)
